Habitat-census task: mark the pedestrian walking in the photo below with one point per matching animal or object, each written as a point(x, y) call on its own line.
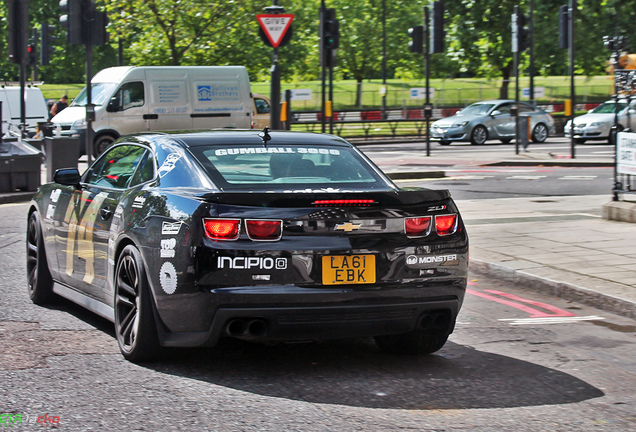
point(58, 106)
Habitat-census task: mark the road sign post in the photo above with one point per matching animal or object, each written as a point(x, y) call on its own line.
point(275, 31)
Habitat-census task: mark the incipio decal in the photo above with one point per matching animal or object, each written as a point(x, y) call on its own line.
point(55, 195)
point(168, 164)
point(246, 263)
point(171, 228)
point(424, 261)
point(168, 278)
point(167, 247)
point(288, 150)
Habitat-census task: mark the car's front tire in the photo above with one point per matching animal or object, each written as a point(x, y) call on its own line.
point(135, 326)
point(39, 278)
point(479, 135)
point(539, 133)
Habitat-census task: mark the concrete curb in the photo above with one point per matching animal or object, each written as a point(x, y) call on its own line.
point(16, 197)
point(553, 163)
point(564, 290)
point(405, 175)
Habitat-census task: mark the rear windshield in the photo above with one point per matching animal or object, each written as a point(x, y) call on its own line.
point(289, 166)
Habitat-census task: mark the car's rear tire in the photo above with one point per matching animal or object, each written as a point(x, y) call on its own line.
point(102, 142)
point(444, 142)
point(539, 133)
point(135, 326)
point(413, 342)
point(479, 135)
point(40, 282)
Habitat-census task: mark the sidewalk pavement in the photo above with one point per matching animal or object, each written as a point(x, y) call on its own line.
point(565, 246)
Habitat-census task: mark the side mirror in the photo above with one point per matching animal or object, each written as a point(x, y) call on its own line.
point(67, 177)
point(495, 113)
point(113, 105)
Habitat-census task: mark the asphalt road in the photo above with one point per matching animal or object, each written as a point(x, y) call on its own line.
point(513, 182)
point(516, 361)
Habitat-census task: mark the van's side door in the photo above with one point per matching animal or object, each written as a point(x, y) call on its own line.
point(128, 108)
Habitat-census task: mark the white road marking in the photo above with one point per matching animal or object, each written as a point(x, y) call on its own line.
point(555, 320)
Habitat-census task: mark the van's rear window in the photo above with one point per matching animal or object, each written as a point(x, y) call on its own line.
point(260, 167)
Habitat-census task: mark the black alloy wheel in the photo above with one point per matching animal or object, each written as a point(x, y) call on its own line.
point(135, 326)
point(40, 282)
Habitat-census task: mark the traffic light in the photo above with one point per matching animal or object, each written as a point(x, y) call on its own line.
point(564, 15)
point(417, 39)
point(437, 28)
point(32, 48)
point(46, 43)
point(83, 23)
point(18, 21)
point(331, 31)
point(523, 34)
point(72, 20)
point(32, 54)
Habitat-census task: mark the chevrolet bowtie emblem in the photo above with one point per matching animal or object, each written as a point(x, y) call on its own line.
point(347, 226)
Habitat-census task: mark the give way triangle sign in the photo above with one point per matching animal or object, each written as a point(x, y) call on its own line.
point(275, 26)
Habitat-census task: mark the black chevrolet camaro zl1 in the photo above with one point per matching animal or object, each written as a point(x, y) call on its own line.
point(185, 238)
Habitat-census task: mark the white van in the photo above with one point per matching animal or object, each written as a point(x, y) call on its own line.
point(131, 99)
point(35, 109)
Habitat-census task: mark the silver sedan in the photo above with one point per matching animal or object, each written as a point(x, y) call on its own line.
point(486, 120)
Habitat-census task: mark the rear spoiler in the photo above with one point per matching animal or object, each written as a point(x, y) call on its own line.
point(310, 198)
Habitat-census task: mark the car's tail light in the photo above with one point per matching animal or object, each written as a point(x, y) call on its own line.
point(222, 229)
point(344, 203)
point(446, 224)
point(417, 226)
point(264, 230)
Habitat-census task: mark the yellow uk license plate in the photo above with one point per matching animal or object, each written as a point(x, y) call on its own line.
point(348, 269)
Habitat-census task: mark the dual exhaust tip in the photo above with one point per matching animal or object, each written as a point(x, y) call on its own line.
point(435, 320)
point(247, 327)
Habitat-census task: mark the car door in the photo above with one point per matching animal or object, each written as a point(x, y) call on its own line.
point(503, 124)
point(128, 109)
point(86, 220)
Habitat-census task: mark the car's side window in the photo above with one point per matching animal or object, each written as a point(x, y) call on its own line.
point(504, 109)
point(131, 95)
point(115, 168)
point(145, 171)
point(525, 108)
point(262, 107)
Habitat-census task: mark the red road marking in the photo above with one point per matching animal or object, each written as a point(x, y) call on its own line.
point(533, 313)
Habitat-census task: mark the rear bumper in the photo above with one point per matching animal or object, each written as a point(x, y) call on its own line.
point(304, 323)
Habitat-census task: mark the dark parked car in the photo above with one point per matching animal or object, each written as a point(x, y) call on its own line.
point(182, 239)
